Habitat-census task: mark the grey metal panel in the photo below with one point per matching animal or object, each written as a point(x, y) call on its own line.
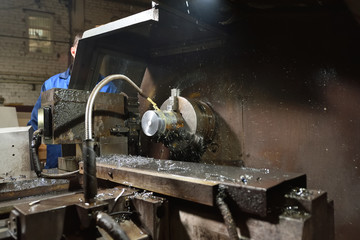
point(15, 152)
point(131, 21)
point(256, 191)
point(68, 114)
point(8, 117)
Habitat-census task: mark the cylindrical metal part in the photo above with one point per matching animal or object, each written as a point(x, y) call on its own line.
point(151, 123)
point(90, 181)
point(160, 123)
point(197, 117)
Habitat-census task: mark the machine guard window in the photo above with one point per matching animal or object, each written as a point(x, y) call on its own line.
point(109, 62)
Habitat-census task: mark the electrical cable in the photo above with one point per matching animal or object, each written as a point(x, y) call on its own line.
point(35, 143)
point(225, 211)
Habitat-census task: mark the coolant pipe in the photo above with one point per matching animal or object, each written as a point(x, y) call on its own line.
point(90, 183)
point(107, 223)
point(95, 91)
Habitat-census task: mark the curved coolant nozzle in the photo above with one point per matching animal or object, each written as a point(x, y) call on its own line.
point(153, 104)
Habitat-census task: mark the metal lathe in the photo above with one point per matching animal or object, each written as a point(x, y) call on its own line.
point(132, 169)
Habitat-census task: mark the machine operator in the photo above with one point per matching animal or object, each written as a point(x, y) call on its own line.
point(60, 80)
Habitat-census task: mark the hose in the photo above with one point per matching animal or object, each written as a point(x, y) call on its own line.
point(35, 143)
point(107, 223)
point(225, 211)
point(90, 181)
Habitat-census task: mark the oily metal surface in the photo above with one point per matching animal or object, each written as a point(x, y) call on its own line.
point(253, 190)
point(48, 204)
point(7, 206)
point(202, 222)
point(68, 113)
point(63, 216)
point(172, 185)
point(30, 187)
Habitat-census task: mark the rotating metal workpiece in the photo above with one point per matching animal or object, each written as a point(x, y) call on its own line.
point(185, 126)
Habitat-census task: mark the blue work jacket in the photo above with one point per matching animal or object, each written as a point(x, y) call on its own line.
point(60, 80)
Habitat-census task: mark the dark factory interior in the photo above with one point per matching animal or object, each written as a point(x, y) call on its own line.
point(182, 119)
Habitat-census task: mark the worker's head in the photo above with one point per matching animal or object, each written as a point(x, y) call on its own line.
point(75, 44)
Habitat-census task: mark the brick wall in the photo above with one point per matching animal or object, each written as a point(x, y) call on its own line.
point(17, 64)
point(23, 72)
point(23, 94)
point(101, 12)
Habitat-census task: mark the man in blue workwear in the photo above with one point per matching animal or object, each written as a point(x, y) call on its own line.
point(60, 80)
